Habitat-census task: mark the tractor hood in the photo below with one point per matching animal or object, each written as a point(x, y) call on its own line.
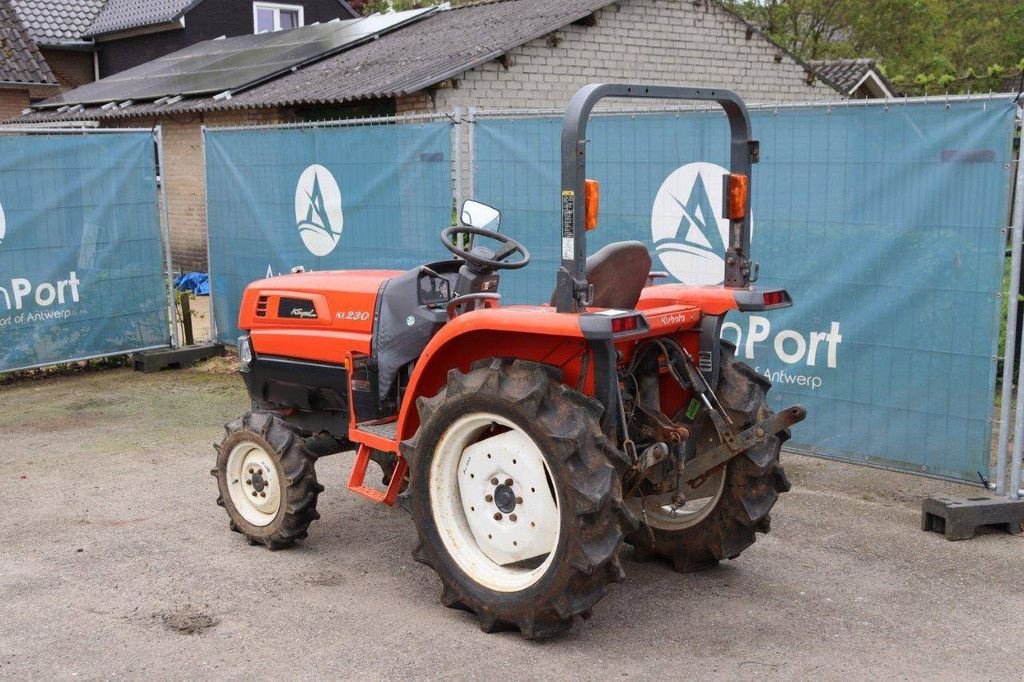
point(342, 300)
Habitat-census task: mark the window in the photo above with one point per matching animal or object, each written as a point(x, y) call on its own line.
point(271, 16)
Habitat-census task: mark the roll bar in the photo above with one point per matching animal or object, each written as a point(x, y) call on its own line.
point(572, 290)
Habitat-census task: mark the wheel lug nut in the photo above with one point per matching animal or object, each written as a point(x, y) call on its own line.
point(519, 500)
point(497, 516)
point(248, 481)
point(512, 517)
point(254, 493)
point(252, 471)
point(508, 481)
point(263, 494)
point(494, 481)
point(489, 498)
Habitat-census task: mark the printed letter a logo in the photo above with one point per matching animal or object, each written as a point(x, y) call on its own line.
point(318, 213)
point(689, 231)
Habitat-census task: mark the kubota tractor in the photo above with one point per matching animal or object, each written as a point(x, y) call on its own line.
point(528, 441)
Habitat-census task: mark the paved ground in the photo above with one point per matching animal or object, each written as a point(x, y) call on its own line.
point(115, 562)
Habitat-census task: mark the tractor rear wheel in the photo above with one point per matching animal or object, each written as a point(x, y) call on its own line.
point(267, 480)
point(723, 514)
point(517, 497)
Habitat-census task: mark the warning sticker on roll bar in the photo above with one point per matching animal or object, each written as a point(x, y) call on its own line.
point(568, 224)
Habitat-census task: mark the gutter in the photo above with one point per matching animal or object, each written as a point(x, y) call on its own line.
point(10, 85)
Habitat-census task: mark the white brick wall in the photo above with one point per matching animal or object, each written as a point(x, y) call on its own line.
point(666, 42)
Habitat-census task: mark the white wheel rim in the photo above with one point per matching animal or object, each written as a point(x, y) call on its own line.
point(699, 503)
point(253, 484)
point(499, 547)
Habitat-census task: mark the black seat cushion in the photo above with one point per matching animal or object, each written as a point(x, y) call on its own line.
point(618, 273)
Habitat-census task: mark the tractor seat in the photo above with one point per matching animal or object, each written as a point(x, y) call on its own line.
point(618, 273)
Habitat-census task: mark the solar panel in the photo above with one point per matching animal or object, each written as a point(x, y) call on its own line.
point(229, 64)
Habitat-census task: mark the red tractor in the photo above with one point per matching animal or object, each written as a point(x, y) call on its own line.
point(528, 441)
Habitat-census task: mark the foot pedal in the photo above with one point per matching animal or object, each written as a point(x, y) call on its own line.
point(357, 480)
point(959, 518)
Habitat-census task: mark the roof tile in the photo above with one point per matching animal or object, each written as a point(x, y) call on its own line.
point(20, 59)
point(120, 15)
point(53, 22)
point(846, 73)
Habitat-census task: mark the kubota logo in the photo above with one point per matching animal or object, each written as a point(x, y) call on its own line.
point(689, 231)
point(318, 210)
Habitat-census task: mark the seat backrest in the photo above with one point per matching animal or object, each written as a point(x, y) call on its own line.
point(618, 273)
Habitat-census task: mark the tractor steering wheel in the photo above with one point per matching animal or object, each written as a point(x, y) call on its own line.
point(481, 257)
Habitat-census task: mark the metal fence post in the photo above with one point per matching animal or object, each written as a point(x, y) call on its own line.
point(457, 157)
point(470, 151)
point(1010, 350)
point(1011, 323)
point(214, 336)
point(165, 233)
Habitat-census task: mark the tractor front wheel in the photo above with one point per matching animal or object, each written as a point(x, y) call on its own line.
point(517, 497)
point(267, 480)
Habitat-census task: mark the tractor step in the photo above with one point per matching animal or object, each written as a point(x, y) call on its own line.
point(380, 429)
point(357, 479)
point(378, 434)
point(959, 518)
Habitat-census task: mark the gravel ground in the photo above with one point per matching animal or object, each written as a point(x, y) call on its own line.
point(117, 563)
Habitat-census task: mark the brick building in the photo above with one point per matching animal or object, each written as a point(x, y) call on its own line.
point(83, 40)
point(57, 27)
point(23, 70)
point(494, 54)
point(128, 32)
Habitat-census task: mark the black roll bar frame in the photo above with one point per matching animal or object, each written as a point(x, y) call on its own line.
point(572, 292)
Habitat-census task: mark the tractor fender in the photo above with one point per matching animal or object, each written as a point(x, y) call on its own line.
point(534, 333)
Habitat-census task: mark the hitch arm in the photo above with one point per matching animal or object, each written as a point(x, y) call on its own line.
point(698, 468)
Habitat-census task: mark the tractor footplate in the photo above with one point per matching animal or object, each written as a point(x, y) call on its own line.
point(356, 481)
point(699, 467)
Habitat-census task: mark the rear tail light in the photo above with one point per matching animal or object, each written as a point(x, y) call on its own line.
point(261, 306)
point(621, 325)
point(753, 299)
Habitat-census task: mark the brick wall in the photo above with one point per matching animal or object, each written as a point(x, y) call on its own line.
point(12, 101)
point(186, 179)
point(71, 67)
point(667, 42)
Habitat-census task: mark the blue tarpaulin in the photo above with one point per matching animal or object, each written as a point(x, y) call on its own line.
point(82, 270)
point(196, 282)
point(322, 198)
point(885, 223)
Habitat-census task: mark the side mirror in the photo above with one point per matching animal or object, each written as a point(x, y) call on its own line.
point(475, 214)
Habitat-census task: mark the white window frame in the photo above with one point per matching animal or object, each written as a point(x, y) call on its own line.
point(277, 9)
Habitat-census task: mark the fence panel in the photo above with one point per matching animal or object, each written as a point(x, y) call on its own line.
point(884, 222)
point(327, 197)
point(82, 269)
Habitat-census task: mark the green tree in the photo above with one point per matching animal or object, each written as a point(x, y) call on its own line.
point(928, 46)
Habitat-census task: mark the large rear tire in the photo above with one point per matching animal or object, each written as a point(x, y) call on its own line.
point(723, 516)
point(267, 480)
point(517, 497)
